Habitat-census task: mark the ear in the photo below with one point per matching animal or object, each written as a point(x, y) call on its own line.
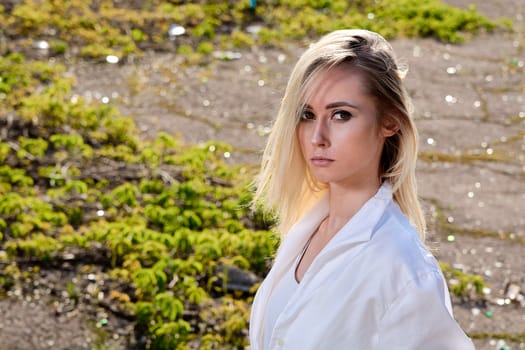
point(390, 126)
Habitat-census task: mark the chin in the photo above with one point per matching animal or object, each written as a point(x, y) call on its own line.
point(323, 180)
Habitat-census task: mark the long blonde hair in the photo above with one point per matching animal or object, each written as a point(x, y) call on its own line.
point(284, 184)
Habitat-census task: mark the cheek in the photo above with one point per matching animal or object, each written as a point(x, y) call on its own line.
point(363, 137)
point(373, 132)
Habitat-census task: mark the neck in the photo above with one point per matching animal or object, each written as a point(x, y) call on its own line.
point(345, 202)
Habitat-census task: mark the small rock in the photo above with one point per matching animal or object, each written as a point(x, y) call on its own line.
point(237, 279)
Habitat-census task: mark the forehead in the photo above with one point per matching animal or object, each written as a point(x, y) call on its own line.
point(340, 83)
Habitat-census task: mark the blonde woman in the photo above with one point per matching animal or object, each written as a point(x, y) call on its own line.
point(339, 170)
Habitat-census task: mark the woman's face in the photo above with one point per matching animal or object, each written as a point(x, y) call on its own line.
point(339, 134)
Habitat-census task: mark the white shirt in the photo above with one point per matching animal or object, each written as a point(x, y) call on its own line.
point(281, 295)
point(374, 286)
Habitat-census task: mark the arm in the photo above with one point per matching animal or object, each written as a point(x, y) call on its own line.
point(420, 319)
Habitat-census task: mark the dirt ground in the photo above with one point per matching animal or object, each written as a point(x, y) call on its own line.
point(469, 99)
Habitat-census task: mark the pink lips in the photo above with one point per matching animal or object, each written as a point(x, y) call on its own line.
point(321, 162)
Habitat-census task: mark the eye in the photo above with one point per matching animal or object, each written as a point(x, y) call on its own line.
point(307, 115)
point(342, 115)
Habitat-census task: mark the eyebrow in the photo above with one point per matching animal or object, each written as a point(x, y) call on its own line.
point(336, 105)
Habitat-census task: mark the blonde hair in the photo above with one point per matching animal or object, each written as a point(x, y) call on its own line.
point(284, 183)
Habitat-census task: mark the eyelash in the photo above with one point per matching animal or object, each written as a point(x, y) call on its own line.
point(307, 115)
point(345, 115)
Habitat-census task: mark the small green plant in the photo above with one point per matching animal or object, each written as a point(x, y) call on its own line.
point(241, 39)
point(59, 47)
point(39, 246)
point(205, 48)
point(462, 285)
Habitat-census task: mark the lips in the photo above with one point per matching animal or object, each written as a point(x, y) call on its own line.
point(321, 161)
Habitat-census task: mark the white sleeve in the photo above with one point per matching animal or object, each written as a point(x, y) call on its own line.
point(419, 318)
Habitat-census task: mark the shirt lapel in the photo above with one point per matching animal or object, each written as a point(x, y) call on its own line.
point(357, 230)
point(349, 240)
point(288, 251)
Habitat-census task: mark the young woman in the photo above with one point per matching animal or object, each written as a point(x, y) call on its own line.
point(339, 170)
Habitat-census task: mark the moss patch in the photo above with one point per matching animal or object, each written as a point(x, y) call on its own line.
point(96, 29)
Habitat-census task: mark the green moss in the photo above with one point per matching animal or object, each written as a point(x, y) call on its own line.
point(205, 48)
point(430, 18)
point(59, 47)
point(185, 50)
point(463, 285)
point(98, 30)
point(514, 337)
point(97, 50)
point(241, 39)
point(31, 147)
point(467, 157)
point(8, 277)
point(39, 246)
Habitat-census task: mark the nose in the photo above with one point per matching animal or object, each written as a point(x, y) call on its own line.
point(320, 134)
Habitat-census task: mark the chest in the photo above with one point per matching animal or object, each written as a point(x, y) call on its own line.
point(340, 300)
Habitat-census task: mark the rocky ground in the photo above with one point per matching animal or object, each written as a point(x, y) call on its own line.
point(469, 100)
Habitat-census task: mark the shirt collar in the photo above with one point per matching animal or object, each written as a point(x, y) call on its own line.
point(359, 228)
